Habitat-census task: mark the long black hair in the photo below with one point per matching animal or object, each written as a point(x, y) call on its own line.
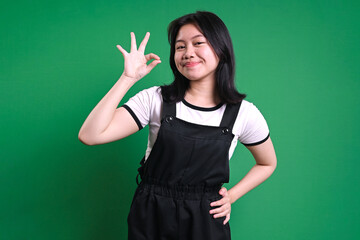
point(215, 31)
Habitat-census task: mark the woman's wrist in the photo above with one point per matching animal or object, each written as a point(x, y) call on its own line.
point(232, 196)
point(126, 78)
point(128, 81)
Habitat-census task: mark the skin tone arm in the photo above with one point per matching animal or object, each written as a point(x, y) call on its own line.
point(107, 123)
point(265, 158)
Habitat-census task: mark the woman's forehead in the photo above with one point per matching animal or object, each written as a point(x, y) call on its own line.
point(188, 31)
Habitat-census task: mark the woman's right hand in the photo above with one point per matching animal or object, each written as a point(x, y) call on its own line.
point(135, 62)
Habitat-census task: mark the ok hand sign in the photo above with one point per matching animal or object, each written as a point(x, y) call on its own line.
point(136, 62)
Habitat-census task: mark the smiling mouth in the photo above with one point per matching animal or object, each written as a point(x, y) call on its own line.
point(192, 64)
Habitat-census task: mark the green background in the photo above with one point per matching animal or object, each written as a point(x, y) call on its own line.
point(298, 61)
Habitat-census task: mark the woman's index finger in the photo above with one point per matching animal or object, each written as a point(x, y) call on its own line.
point(144, 42)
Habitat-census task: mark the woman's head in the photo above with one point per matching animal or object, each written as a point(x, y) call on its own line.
point(217, 35)
point(194, 56)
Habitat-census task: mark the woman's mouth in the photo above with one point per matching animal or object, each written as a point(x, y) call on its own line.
point(191, 64)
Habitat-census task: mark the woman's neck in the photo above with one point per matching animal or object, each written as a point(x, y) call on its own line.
point(202, 94)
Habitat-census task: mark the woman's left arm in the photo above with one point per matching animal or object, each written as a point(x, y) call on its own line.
point(265, 165)
point(265, 158)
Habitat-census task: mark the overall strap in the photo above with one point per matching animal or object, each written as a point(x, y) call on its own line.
point(141, 170)
point(230, 115)
point(168, 109)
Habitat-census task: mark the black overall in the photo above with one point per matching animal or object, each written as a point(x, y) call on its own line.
point(181, 177)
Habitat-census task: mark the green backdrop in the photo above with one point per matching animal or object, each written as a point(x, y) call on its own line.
point(298, 61)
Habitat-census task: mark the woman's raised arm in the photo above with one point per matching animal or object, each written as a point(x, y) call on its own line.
point(107, 123)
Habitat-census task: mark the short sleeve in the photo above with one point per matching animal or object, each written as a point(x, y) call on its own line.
point(255, 130)
point(139, 106)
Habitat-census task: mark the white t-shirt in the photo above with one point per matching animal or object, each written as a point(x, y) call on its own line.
point(250, 127)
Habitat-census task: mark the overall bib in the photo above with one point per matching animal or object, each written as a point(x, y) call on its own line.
point(181, 177)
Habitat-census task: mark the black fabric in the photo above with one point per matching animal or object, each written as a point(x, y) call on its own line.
point(155, 214)
point(230, 115)
point(133, 115)
point(257, 143)
point(202, 108)
point(181, 177)
point(140, 170)
point(168, 109)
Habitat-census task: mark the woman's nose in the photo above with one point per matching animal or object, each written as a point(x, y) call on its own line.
point(189, 53)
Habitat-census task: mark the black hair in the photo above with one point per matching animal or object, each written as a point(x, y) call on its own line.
point(215, 31)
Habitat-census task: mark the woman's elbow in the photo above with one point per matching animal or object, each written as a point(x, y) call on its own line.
point(85, 140)
point(273, 163)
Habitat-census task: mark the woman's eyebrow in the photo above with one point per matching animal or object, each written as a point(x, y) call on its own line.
point(199, 35)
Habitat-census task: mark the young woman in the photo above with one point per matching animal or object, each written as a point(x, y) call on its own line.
point(194, 126)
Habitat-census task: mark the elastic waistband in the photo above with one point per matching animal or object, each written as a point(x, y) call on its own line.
point(180, 191)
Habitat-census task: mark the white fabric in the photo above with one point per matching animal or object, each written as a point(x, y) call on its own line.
point(250, 126)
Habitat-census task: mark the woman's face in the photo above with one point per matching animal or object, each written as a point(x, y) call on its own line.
point(194, 57)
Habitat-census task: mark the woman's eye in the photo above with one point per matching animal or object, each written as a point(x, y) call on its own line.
point(180, 47)
point(198, 43)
